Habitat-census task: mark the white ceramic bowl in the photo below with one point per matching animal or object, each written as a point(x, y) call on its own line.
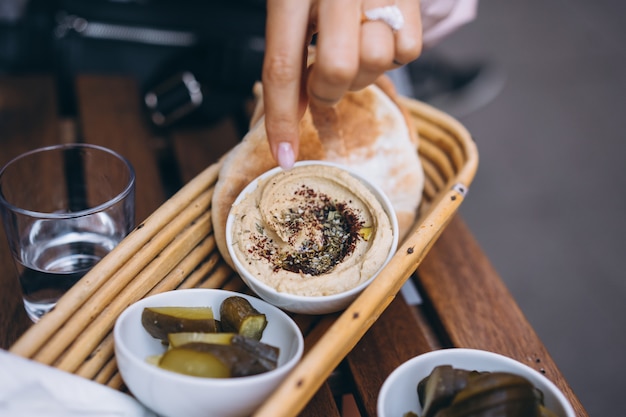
point(170, 394)
point(398, 394)
point(300, 303)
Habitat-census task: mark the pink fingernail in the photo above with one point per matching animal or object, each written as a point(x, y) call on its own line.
point(286, 157)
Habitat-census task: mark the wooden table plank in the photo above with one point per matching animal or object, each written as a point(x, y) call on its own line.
point(196, 149)
point(475, 308)
point(28, 115)
point(396, 337)
point(28, 120)
point(322, 404)
point(111, 116)
point(464, 297)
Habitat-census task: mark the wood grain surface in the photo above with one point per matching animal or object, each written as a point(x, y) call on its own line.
point(475, 308)
point(466, 303)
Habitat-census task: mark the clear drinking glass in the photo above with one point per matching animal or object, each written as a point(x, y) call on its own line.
point(63, 208)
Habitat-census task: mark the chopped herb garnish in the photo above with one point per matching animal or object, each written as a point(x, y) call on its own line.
point(322, 233)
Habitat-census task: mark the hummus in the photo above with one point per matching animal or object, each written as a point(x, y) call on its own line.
point(313, 230)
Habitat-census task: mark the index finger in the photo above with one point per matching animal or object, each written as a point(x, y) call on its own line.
point(285, 49)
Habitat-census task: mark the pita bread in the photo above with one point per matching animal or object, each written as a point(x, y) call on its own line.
point(367, 130)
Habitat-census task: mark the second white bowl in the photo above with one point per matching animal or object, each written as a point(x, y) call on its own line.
point(171, 394)
point(301, 303)
point(398, 395)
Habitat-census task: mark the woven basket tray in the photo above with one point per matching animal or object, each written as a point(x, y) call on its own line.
point(175, 248)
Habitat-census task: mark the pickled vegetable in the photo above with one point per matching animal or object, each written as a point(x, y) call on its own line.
point(195, 363)
point(546, 412)
point(239, 316)
point(437, 390)
point(451, 392)
point(239, 361)
point(497, 393)
point(266, 354)
point(200, 345)
point(180, 339)
point(160, 321)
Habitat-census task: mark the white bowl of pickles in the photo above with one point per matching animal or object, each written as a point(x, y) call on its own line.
point(205, 352)
point(463, 382)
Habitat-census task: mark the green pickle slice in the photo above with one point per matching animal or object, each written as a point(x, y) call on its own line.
point(180, 339)
point(199, 345)
point(239, 316)
point(452, 392)
point(161, 321)
point(194, 362)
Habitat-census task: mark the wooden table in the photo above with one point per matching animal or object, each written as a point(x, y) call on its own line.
point(465, 303)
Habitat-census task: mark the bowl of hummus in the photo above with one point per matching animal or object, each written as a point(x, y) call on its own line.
point(310, 239)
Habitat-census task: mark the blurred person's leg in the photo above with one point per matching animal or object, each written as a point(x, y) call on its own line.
point(456, 87)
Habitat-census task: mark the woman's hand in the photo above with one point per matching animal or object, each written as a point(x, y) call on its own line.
point(351, 53)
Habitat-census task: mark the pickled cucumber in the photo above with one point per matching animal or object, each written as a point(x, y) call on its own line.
point(195, 363)
point(266, 354)
point(180, 339)
point(497, 393)
point(239, 361)
point(451, 392)
point(200, 345)
point(437, 390)
point(160, 321)
point(239, 316)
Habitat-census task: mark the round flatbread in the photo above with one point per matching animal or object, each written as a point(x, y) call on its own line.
point(368, 131)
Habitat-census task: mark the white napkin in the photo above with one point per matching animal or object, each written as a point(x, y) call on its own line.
point(29, 388)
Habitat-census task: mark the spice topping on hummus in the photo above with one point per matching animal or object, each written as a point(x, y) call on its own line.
point(311, 230)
